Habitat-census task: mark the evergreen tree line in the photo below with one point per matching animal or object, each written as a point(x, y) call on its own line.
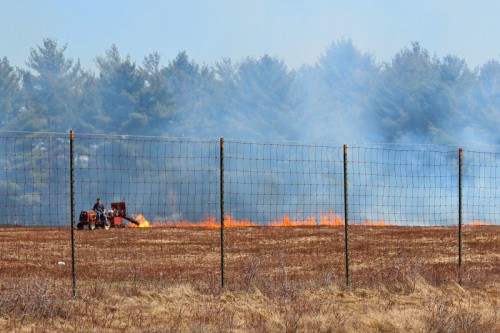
point(345, 96)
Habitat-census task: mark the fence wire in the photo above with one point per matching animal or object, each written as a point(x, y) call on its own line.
point(481, 187)
point(283, 184)
point(34, 179)
point(408, 187)
point(176, 182)
point(166, 181)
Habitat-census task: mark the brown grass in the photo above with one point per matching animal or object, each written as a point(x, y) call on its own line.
point(276, 280)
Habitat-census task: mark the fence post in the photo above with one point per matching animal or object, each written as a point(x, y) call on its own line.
point(222, 211)
point(346, 220)
point(72, 195)
point(460, 216)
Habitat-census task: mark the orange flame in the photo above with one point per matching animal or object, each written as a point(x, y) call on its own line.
point(378, 223)
point(479, 223)
point(325, 219)
point(331, 219)
point(288, 222)
point(212, 222)
point(143, 223)
point(328, 219)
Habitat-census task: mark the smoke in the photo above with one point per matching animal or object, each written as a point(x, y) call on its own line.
point(345, 97)
point(284, 133)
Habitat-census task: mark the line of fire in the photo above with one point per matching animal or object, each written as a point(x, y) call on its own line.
point(119, 218)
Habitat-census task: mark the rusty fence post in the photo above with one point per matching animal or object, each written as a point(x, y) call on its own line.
point(72, 195)
point(222, 264)
point(460, 153)
point(346, 220)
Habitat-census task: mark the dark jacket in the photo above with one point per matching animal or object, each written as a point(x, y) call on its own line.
point(99, 208)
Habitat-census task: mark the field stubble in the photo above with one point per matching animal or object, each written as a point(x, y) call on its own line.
point(277, 279)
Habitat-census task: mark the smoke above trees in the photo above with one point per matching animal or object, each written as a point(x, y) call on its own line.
point(346, 96)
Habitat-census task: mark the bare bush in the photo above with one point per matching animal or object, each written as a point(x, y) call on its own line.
point(443, 315)
point(35, 298)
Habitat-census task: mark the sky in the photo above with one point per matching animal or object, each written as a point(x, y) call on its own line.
point(295, 31)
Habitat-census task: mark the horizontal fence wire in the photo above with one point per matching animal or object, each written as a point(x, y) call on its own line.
point(283, 184)
point(170, 181)
point(175, 182)
point(481, 188)
point(34, 179)
point(164, 181)
point(34, 192)
point(405, 187)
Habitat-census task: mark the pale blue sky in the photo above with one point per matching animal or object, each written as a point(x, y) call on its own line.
point(296, 31)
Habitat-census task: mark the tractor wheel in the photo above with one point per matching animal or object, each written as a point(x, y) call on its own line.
point(91, 226)
point(79, 226)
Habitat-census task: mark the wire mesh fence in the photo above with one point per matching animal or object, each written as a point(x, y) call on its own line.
point(283, 184)
point(184, 210)
point(404, 187)
point(166, 180)
point(481, 188)
point(34, 186)
point(34, 195)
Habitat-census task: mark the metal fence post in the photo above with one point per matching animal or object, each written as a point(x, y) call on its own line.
point(72, 194)
point(460, 216)
point(222, 211)
point(346, 220)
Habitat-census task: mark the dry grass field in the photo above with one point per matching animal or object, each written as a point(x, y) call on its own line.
point(277, 279)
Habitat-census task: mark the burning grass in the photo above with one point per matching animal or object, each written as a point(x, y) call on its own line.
point(277, 279)
point(330, 219)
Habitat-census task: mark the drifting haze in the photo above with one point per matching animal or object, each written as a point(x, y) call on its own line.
point(344, 97)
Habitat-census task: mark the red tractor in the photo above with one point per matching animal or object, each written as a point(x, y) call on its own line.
point(115, 218)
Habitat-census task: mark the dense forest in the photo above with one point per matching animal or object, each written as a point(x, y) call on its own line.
point(345, 96)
